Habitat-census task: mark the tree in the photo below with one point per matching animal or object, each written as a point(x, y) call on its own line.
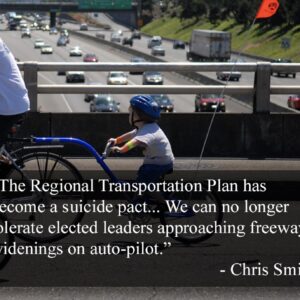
point(214, 14)
point(193, 8)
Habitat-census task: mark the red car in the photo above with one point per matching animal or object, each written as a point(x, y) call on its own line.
point(90, 58)
point(209, 102)
point(294, 101)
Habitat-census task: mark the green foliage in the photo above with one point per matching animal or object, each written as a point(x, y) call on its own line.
point(259, 40)
point(243, 11)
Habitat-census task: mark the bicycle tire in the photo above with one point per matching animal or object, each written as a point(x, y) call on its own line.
point(6, 240)
point(215, 217)
point(44, 166)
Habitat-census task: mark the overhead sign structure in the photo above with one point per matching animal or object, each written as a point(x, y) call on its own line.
point(104, 4)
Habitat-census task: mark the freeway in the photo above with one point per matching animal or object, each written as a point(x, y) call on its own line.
point(180, 56)
point(24, 50)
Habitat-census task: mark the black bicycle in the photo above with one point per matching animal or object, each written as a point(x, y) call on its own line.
point(28, 208)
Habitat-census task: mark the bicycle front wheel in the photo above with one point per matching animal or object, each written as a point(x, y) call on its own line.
point(44, 169)
point(195, 219)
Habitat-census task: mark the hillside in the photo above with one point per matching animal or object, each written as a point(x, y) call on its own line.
point(255, 41)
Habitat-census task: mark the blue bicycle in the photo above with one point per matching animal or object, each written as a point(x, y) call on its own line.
point(38, 162)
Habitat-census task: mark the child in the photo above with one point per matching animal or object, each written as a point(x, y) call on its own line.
point(143, 114)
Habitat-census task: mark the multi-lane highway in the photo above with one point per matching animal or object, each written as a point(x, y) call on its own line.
point(24, 50)
point(180, 55)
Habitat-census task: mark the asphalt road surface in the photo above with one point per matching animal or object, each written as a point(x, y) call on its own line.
point(24, 50)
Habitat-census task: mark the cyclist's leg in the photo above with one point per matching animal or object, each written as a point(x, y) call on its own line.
point(153, 174)
point(6, 123)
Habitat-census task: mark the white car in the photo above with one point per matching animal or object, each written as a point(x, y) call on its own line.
point(45, 27)
point(154, 41)
point(46, 49)
point(39, 43)
point(115, 77)
point(115, 37)
point(75, 51)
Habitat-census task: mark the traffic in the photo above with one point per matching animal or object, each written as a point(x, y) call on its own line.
point(56, 45)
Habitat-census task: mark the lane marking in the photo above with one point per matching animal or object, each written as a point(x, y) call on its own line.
point(62, 95)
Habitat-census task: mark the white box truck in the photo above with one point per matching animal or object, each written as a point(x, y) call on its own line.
point(209, 45)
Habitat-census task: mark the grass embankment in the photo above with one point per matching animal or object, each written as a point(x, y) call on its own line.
point(257, 41)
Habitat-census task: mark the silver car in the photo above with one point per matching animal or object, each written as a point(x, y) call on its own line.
point(158, 50)
point(151, 77)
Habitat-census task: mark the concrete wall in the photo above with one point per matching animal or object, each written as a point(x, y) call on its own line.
point(232, 135)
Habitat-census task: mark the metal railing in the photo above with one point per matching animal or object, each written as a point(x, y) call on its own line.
point(261, 90)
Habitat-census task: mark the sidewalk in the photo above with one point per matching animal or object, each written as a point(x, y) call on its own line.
point(191, 168)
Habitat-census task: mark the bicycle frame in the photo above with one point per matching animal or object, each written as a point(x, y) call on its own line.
point(69, 140)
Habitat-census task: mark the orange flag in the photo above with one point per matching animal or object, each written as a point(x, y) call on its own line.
point(267, 9)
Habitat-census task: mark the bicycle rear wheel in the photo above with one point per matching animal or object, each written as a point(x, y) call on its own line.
point(44, 168)
point(204, 212)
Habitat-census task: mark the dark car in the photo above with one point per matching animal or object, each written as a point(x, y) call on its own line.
point(62, 41)
point(84, 27)
point(90, 57)
point(136, 35)
point(178, 45)
point(229, 75)
point(75, 77)
point(61, 73)
point(294, 101)
point(127, 41)
point(137, 59)
point(283, 73)
point(89, 97)
point(209, 103)
point(152, 77)
point(104, 103)
point(163, 102)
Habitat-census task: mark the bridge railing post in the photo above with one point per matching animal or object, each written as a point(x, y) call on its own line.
point(262, 91)
point(31, 82)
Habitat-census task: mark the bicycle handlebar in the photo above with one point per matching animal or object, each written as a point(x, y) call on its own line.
point(107, 149)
